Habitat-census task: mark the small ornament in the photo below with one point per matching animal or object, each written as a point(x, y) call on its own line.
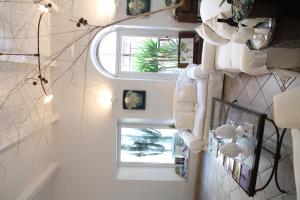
point(226, 131)
point(233, 150)
point(230, 150)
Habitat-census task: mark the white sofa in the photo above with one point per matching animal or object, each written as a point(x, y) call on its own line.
point(224, 50)
point(193, 105)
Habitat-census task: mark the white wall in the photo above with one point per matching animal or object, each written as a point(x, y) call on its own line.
point(86, 144)
point(21, 163)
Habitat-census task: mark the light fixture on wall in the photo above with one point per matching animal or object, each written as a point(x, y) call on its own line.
point(106, 98)
point(106, 9)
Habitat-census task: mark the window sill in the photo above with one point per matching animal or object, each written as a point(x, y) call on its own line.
point(148, 174)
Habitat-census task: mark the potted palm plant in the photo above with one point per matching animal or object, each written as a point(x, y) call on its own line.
point(156, 56)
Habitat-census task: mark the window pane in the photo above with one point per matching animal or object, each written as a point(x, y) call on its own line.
point(149, 54)
point(107, 52)
point(147, 145)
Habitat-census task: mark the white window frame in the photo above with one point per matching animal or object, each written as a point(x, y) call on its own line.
point(130, 31)
point(138, 164)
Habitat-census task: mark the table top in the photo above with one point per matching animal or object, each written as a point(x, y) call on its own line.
point(243, 168)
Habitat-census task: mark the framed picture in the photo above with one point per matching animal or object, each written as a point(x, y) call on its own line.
point(230, 165)
point(245, 176)
point(189, 48)
point(134, 100)
point(135, 7)
point(236, 170)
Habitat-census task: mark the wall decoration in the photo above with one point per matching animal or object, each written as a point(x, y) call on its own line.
point(190, 48)
point(186, 50)
point(134, 100)
point(136, 7)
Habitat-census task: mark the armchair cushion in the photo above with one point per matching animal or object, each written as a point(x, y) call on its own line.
point(187, 91)
point(211, 8)
point(210, 36)
point(196, 72)
point(286, 109)
point(223, 56)
point(184, 120)
point(208, 57)
point(222, 29)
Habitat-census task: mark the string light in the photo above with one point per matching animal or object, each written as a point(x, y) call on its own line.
point(43, 8)
point(47, 6)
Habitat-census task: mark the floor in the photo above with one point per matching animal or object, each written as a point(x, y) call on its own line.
point(255, 92)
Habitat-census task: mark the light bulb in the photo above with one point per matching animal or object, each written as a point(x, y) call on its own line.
point(105, 98)
point(48, 99)
point(46, 6)
point(43, 8)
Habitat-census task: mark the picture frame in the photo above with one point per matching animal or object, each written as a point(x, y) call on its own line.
point(245, 176)
point(136, 7)
point(236, 170)
point(134, 100)
point(189, 48)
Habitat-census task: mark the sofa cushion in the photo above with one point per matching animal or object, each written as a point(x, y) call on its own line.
point(210, 36)
point(185, 106)
point(184, 120)
point(187, 91)
point(223, 57)
point(208, 57)
point(286, 109)
point(236, 53)
point(196, 72)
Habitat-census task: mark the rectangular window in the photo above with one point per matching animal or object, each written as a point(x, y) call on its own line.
point(145, 145)
point(149, 54)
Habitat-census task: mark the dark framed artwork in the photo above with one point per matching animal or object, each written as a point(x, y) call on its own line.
point(135, 7)
point(134, 100)
point(189, 48)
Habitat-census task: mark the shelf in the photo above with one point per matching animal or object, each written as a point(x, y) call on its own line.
point(13, 137)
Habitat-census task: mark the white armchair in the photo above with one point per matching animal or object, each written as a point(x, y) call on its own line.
point(224, 46)
point(287, 115)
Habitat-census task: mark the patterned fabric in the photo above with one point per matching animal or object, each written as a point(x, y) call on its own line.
point(241, 9)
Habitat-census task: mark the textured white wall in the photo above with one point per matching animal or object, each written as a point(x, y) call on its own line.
point(86, 150)
point(20, 164)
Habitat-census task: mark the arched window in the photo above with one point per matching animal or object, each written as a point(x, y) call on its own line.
point(136, 53)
